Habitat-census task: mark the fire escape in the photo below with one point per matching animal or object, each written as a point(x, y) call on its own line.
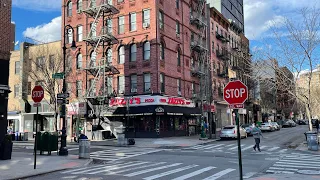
point(199, 46)
point(98, 67)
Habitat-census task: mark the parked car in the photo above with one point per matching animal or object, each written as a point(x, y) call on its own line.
point(267, 127)
point(276, 125)
point(230, 131)
point(302, 122)
point(248, 128)
point(313, 121)
point(289, 123)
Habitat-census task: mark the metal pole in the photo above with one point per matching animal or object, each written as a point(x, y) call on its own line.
point(35, 141)
point(239, 143)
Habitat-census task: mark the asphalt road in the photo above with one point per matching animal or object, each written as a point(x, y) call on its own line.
point(217, 160)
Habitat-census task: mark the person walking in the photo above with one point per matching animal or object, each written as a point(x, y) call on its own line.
point(256, 132)
point(317, 125)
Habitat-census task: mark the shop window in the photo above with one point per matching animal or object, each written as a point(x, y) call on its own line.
point(179, 124)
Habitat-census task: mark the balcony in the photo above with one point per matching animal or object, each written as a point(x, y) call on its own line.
point(197, 20)
point(223, 74)
point(196, 72)
point(221, 37)
point(105, 35)
point(223, 54)
point(98, 8)
point(220, 92)
point(198, 46)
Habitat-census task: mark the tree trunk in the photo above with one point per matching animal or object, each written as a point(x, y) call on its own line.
point(309, 116)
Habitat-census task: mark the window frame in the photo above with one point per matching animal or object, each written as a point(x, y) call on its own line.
point(69, 9)
point(144, 19)
point(79, 35)
point(121, 23)
point(178, 27)
point(177, 4)
point(146, 51)
point(145, 82)
point(133, 21)
point(121, 55)
point(79, 88)
point(133, 52)
point(179, 86)
point(162, 82)
point(109, 55)
point(79, 64)
point(179, 57)
point(121, 86)
point(162, 48)
point(133, 84)
point(161, 20)
point(17, 67)
point(79, 6)
point(16, 90)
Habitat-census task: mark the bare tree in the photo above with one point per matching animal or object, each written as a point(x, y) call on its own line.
point(297, 47)
point(46, 61)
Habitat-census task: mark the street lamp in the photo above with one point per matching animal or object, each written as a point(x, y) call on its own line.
point(63, 151)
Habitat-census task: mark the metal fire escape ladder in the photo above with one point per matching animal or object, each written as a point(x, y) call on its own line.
point(97, 67)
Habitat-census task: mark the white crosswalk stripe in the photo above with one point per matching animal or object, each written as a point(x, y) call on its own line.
point(296, 163)
point(211, 148)
point(151, 170)
point(118, 154)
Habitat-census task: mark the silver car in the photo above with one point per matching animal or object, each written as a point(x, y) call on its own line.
point(230, 131)
point(267, 127)
point(276, 126)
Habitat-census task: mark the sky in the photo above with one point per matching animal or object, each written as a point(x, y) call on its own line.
point(41, 20)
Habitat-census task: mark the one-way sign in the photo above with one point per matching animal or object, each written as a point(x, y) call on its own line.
point(66, 95)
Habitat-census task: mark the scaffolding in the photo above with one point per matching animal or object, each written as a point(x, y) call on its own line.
point(99, 70)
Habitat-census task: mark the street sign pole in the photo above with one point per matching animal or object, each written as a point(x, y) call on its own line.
point(35, 141)
point(239, 143)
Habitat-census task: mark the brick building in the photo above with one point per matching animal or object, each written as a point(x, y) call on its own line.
point(151, 63)
point(5, 45)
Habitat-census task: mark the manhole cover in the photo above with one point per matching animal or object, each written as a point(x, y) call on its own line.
point(311, 172)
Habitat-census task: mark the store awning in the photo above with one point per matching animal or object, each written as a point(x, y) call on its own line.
point(156, 109)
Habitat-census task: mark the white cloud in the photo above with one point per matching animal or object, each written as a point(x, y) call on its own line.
point(38, 5)
point(46, 32)
point(261, 15)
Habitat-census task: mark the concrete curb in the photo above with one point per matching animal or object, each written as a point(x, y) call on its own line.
point(49, 171)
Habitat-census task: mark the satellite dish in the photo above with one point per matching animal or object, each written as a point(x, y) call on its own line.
point(16, 43)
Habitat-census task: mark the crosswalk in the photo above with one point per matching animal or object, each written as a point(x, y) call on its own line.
point(123, 153)
point(233, 147)
point(295, 163)
point(154, 170)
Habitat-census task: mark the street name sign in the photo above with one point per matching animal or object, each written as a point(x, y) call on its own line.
point(58, 76)
point(65, 95)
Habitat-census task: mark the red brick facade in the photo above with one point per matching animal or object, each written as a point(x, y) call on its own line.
point(168, 66)
point(5, 30)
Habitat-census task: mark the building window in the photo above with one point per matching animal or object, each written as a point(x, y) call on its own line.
point(92, 87)
point(192, 62)
point(51, 63)
point(120, 1)
point(146, 50)
point(17, 67)
point(79, 31)
point(133, 83)
point(147, 82)
point(93, 29)
point(133, 21)
point(177, 27)
point(177, 4)
point(217, 29)
point(162, 51)
point(212, 46)
point(93, 59)
point(69, 36)
point(146, 18)
point(121, 84)
point(161, 20)
point(179, 57)
point(179, 86)
point(121, 25)
point(79, 88)
point(192, 88)
point(133, 52)
point(109, 26)
point(79, 61)
point(69, 10)
point(109, 85)
point(40, 63)
point(16, 90)
point(109, 55)
point(69, 63)
point(121, 55)
point(162, 83)
point(79, 6)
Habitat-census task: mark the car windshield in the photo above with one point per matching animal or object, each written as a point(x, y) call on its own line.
point(229, 127)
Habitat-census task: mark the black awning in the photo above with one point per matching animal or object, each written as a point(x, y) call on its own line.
point(152, 109)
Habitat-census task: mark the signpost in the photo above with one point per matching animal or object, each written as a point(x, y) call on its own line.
point(235, 94)
point(37, 96)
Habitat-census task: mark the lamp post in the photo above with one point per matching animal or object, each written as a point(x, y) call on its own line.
point(63, 151)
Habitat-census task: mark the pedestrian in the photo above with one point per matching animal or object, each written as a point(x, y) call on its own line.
point(317, 125)
point(256, 132)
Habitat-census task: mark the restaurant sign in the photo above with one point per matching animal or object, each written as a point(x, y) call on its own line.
point(150, 100)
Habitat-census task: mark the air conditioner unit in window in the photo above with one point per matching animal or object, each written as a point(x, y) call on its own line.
point(121, 91)
point(178, 35)
point(134, 90)
point(179, 93)
point(146, 25)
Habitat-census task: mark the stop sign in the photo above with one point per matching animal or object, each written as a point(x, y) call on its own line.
point(37, 94)
point(235, 92)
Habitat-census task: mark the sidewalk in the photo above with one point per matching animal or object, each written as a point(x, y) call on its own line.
point(21, 165)
point(170, 142)
point(286, 177)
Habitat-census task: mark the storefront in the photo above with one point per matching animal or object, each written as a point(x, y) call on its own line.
point(75, 119)
point(155, 116)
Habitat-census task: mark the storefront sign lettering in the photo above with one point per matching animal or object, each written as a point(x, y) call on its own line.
point(176, 101)
point(159, 109)
point(149, 100)
point(122, 101)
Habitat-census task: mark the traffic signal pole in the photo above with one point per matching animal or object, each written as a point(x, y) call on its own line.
point(239, 143)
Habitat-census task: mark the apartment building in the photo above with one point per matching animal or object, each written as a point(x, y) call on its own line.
point(29, 66)
point(5, 45)
point(147, 52)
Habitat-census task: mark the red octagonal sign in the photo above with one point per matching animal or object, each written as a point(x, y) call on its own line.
point(235, 92)
point(37, 94)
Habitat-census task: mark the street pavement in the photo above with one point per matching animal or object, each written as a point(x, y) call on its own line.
point(216, 160)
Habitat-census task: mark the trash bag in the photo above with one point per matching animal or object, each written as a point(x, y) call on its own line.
point(131, 141)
